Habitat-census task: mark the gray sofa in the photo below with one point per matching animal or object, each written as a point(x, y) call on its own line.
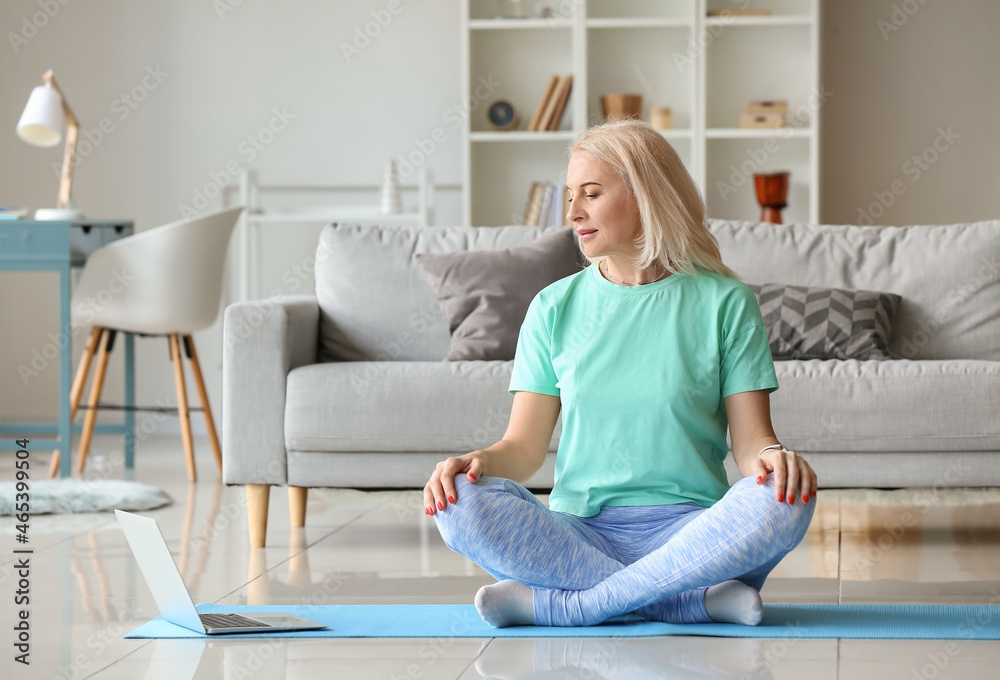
point(347, 388)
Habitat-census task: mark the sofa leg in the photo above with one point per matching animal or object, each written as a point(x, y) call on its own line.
point(257, 499)
point(297, 504)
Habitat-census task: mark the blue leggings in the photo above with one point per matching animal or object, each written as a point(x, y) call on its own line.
point(654, 561)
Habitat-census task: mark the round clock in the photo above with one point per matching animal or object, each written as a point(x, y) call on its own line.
point(503, 115)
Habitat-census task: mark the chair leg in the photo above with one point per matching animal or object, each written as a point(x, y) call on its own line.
point(182, 406)
point(203, 396)
point(258, 496)
point(78, 383)
point(297, 496)
point(106, 342)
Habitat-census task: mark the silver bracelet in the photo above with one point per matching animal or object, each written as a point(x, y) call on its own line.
point(772, 446)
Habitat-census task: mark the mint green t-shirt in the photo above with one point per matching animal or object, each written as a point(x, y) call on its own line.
point(641, 372)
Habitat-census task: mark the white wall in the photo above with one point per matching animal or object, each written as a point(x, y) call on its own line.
point(900, 71)
point(222, 76)
point(221, 79)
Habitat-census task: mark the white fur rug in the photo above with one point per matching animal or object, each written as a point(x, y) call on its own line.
point(61, 496)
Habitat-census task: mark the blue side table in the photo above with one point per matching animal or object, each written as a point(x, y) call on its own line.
point(32, 245)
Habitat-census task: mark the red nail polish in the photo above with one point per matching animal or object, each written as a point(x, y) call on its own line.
point(760, 479)
point(451, 499)
point(805, 499)
point(440, 505)
point(427, 511)
point(473, 477)
point(791, 499)
point(781, 498)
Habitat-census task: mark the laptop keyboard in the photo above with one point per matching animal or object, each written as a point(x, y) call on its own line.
point(229, 621)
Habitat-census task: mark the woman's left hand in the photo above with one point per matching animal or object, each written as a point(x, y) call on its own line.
point(792, 474)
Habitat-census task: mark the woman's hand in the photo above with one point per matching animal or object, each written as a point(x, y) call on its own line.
point(440, 488)
point(792, 474)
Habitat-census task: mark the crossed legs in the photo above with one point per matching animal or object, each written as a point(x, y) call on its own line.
point(575, 574)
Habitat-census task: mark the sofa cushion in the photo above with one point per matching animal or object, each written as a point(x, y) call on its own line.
point(948, 276)
point(485, 294)
point(412, 406)
point(461, 406)
point(825, 323)
point(904, 406)
point(374, 301)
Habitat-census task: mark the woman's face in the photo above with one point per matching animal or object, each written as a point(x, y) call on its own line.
point(601, 210)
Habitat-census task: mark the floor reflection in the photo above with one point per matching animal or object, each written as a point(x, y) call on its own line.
point(176, 659)
point(264, 585)
point(200, 545)
point(624, 659)
point(677, 658)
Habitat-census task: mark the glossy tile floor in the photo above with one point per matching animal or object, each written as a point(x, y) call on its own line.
point(908, 546)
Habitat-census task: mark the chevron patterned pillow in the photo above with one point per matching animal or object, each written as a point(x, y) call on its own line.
point(826, 323)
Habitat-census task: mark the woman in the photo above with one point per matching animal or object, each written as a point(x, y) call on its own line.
point(649, 355)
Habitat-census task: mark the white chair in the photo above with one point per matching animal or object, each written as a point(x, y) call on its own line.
point(163, 281)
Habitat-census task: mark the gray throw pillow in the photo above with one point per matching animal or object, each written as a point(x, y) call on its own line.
point(826, 323)
point(485, 294)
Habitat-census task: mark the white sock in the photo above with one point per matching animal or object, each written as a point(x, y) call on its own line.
point(734, 602)
point(506, 603)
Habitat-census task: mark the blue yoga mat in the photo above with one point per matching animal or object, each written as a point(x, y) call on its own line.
point(897, 621)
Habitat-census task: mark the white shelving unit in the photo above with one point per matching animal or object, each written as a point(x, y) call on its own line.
point(703, 68)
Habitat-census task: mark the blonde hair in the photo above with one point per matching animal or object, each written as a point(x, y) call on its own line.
point(671, 211)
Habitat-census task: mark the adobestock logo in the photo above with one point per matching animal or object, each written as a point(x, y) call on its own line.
point(453, 115)
point(39, 20)
point(249, 147)
point(363, 35)
point(901, 14)
point(914, 169)
point(122, 106)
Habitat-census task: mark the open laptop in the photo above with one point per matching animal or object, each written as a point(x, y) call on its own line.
point(172, 597)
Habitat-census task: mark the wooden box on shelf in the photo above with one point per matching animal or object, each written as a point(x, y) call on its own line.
point(766, 106)
point(762, 120)
point(764, 113)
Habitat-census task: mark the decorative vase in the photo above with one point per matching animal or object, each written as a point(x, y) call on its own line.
point(391, 201)
point(660, 117)
point(621, 106)
point(772, 194)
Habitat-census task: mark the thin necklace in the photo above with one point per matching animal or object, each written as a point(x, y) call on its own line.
point(631, 283)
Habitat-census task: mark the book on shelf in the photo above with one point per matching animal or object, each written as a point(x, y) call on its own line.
point(543, 213)
point(533, 206)
point(563, 90)
point(739, 12)
point(8, 213)
point(551, 106)
point(536, 117)
point(547, 205)
point(550, 119)
point(556, 212)
point(565, 212)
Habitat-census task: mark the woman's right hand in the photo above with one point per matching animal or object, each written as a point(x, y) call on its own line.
point(440, 488)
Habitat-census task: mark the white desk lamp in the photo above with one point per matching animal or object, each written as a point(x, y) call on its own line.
point(41, 125)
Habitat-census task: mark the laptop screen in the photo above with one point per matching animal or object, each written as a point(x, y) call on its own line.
point(158, 568)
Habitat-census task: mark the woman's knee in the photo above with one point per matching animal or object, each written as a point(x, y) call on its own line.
point(471, 508)
point(793, 518)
